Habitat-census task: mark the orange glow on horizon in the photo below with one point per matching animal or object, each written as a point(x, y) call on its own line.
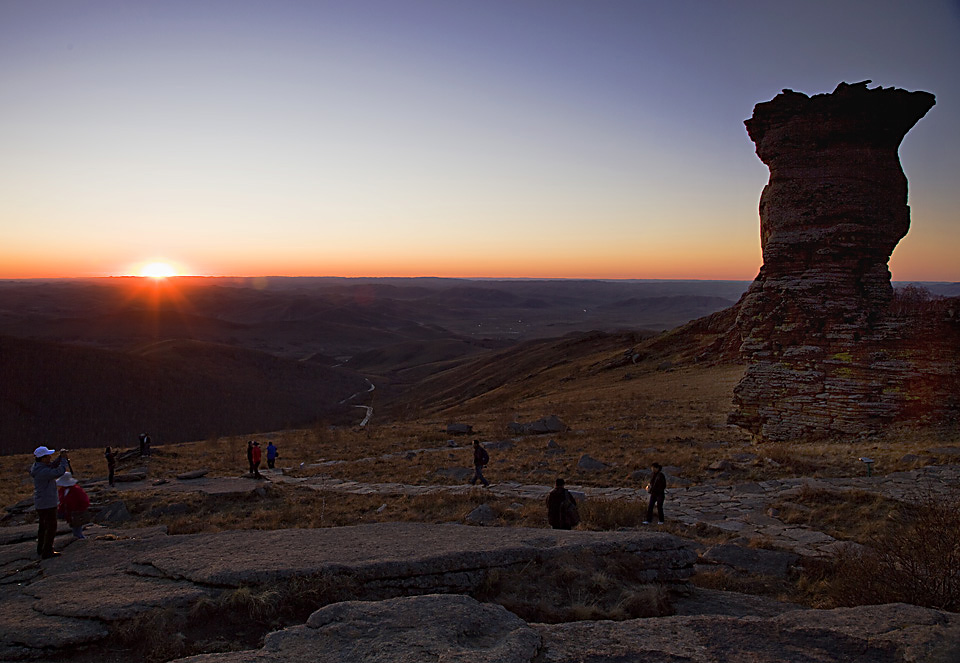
point(158, 270)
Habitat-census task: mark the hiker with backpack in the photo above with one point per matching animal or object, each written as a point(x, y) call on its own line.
point(657, 487)
point(562, 512)
point(480, 458)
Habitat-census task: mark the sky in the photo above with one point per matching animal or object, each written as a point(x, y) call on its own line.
point(484, 138)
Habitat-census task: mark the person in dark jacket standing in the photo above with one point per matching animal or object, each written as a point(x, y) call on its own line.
point(480, 458)
point(657, 487)
point(562, 510)
point(111, 457)
point(250, 455)
point(45, 472)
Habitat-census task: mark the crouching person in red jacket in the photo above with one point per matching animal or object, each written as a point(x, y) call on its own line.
point(74, 503)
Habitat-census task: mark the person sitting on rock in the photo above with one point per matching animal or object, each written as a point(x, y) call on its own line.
point(45, 472)
point(74, 503)
point(562, 512)
point(657, 487)
point(480, 458)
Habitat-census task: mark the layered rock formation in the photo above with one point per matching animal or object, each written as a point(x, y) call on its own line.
point(828, 355)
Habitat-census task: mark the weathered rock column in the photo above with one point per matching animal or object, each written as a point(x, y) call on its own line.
point(830, 216)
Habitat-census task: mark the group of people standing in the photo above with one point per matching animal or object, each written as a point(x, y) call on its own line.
point(255, 456)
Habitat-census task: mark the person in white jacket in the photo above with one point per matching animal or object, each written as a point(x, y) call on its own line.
point(45, 472)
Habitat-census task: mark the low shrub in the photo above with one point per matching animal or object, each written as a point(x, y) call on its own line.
point(916, 560)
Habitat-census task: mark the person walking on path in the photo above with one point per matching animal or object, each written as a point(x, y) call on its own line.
point(74, 503)
point(657, 487)
point(255, 459)
point(250, 455)
point(111, 457)
point(562, 512)
point(480, 458)
point(272, 454)
point(45, 472)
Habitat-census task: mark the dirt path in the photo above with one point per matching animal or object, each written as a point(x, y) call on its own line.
point(740, 508)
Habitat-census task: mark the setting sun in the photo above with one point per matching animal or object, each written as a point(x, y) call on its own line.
point(158, 270)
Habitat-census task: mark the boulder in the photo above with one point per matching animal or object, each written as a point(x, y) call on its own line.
point(454, 629)
point(459, 629)
point(500, 445)
point(894, 633)
point(459, 429)
point(720, 466)
point(115, 512)
point(482, 515)
point(195, 474)
point(550, 424)
point(130, 476)
point(590, 464)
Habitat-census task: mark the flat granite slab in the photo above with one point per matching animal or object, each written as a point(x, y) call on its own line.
point(116, 575)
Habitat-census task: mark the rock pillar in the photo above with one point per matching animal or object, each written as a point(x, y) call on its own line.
point(830, 216)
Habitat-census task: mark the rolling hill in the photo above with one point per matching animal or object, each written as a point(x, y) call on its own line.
point(69, 396)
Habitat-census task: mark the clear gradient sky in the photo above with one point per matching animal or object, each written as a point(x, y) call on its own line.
point(515, 138)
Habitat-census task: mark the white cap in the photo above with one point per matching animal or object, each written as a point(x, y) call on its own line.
point(40, 452)
point(66, 480)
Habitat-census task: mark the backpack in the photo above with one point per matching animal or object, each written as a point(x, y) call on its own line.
point(484, 456)
point(569, 513)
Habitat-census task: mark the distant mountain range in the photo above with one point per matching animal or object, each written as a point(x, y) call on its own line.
point(94, 362)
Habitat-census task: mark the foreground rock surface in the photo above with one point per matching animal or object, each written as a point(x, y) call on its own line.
point(117, 575)
point(458, 628)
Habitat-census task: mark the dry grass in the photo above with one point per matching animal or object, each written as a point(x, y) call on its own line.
point(626, 417)
point(603, 514)
point(849, 515)
point(284, 507)
point(577, 587)
point(915, 560)
point(758, 585)
point(233, 620)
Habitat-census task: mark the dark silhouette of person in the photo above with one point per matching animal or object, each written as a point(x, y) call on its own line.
point(111, 457)
point(250, 455)
point(480, 458)
point(144, 444)
point(657, 487)
point(562, 510)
